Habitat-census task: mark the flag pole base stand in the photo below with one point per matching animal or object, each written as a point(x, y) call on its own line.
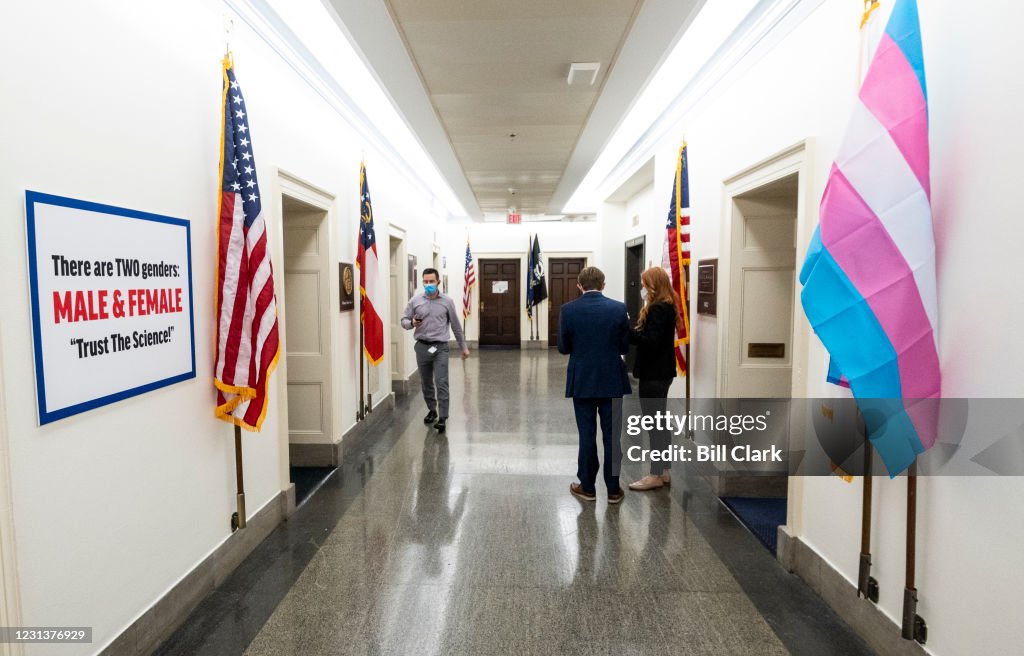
point(369, 403)
point(867, 585)
point(238, 517)
point(914, 626)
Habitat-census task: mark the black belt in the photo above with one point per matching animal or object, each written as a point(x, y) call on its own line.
point(426, 343)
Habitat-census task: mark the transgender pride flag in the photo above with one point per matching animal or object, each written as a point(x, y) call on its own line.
point(869, 277)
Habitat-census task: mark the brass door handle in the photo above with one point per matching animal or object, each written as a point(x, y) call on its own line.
point(481, 306)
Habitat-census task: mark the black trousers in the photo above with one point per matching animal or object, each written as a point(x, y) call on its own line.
point(587, 413)
point(654, 398)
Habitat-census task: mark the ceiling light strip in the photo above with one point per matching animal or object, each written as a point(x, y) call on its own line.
point(767, 24)
point(267, 25)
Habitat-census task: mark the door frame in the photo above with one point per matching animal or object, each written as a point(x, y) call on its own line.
point(478, 258)
point(402, 275)
point(633, 242)
point(797, 158)
point(288, 184)
point(473, 327)
point(10, 592)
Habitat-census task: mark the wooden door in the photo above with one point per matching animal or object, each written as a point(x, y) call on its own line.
point(307, 316)
point(500, 306)
point(634, 267)
point(562, 275)
point(762, 291)
point(397, 287)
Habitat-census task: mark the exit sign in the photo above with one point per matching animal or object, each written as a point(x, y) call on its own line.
point(515, 217)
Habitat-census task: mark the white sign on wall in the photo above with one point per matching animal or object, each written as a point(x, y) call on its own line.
point(111, 303)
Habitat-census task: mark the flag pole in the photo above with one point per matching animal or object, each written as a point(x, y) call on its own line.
point(361, 412)
point(529, 282)
point(867, 586)
point(368, 406)
point(914, 627)
point(689, 362)
point(238, 517)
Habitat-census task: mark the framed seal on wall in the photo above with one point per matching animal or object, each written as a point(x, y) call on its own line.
point(347, 286)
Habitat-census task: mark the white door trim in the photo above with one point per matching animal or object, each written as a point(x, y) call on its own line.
point(795, 159)
point(396, 231)
point(798, 158)
point(285, 183)
point(474, 317)
point(401, 276)
point(10, 592)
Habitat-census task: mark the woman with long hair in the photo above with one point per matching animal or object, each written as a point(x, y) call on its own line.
point(655, 366)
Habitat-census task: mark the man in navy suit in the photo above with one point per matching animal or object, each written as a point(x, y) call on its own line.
point(594, 332)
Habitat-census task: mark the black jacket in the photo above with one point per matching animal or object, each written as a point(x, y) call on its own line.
point(655, 352)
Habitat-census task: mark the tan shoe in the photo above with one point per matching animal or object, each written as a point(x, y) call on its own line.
point(577, 491)
point(649, 482)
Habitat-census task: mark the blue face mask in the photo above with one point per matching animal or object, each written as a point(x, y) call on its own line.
point(430, 289)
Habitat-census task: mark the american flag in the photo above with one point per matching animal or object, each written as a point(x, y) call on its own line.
point(468, 282)
point(247, 336)
point(678, 242)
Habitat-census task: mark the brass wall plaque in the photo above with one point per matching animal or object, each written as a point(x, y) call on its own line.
point(764, 350)
point(347, 285)
point(707, 287)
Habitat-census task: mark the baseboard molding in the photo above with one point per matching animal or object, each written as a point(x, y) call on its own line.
point(164, 617)
point(311, 455)
point(155, 625)
point(399, 387)
point(329, 455)
point(866, 619)
point(352, 438)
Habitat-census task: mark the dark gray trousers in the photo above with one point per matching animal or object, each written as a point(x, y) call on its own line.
point(434, 369)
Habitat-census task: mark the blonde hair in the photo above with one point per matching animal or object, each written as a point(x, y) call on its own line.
point(659, 290)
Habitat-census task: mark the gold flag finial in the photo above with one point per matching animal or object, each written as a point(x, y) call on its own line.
point(869, 7)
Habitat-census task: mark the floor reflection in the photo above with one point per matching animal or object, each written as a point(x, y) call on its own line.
point(469, 543)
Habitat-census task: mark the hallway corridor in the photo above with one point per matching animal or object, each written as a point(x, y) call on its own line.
point(469, 543)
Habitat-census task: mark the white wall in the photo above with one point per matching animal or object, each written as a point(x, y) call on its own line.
point(618, 228)
point(616, 219)
point(118, 102)
point(969, 529)
point(557, 239)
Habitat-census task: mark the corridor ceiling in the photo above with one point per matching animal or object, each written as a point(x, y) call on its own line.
point(467, 75)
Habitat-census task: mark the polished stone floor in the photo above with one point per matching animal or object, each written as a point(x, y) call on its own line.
point(469, 543)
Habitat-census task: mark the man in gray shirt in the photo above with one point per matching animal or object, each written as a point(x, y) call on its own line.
point(432, 314)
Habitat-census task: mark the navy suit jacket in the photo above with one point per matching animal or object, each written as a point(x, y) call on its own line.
point(594, 332)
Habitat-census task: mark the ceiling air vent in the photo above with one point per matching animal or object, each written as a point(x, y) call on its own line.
point(583, 74)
